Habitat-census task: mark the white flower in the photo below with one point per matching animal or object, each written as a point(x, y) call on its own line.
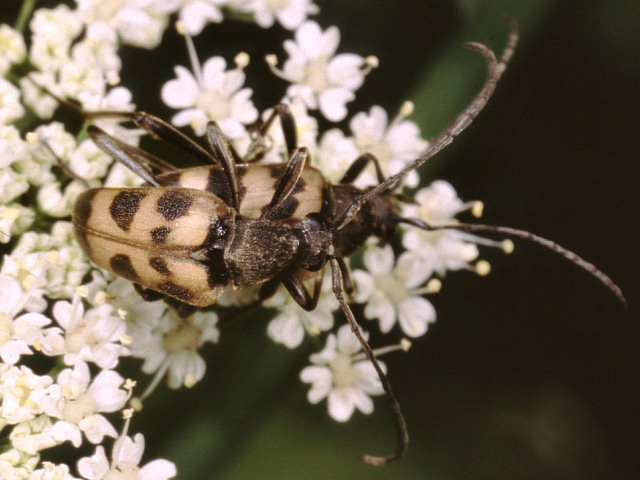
point(40, 103)
point(140, 23)
point(335, 155)
point(121, 176)
point(51, 471)
point(52, 31)
point(16, 465)
point(77, 401)
point(390, 292)
point(171, 343)
point(12, 147)
point(214, 94)
point(88, 161)
point(115, 99)
point(292, 321)
point(30, 272)
point(289, 13)
point(126, 456)
point(33, 436)
point(319, 79)
point(12, 185)
point(56, 201)
point(91, 336)
point(394, 144)
point(12, 48)
point(22, 393)
point(14, 220)
point(38, 163)
point(341, 375)
point(195, 14)
point(65, 264)
point(17, 334)
point(10, 107)
point(443, 250)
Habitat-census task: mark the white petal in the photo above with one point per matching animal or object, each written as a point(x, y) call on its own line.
point(159, 469)
point(414, 316)
point(340, 405)
point(286, 329)
point(379, 260)
point(332, 103)
point(181, 92)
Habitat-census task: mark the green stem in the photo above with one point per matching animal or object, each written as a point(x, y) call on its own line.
point(25, 14)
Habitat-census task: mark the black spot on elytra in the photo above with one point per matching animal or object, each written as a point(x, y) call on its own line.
point(174, 204)
point(159, 265)
point(176, 291)
point(159, 235)
point(121, 265)
point(124, 207)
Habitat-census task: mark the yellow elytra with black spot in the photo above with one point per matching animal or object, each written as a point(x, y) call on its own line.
point(256, 186)
point(170, 240)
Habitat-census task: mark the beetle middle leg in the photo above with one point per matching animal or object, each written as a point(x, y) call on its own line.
point(258, 147)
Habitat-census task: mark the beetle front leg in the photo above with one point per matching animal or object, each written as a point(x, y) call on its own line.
point(299, 292)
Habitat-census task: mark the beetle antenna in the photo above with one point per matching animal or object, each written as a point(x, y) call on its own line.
point(531, 237)
point(398, 417)
point(496, 69)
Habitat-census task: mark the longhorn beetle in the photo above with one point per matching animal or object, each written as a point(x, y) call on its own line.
point(189, 232)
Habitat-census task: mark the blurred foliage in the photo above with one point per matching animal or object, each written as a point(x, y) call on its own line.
point(532, 372)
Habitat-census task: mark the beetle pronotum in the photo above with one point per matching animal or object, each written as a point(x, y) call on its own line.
point(190, 232)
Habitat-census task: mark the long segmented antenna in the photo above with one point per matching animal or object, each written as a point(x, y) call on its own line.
point(496, 69)
point(532, 237)
point(394, 405)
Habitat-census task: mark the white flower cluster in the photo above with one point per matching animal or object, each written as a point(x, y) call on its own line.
point(53, 303)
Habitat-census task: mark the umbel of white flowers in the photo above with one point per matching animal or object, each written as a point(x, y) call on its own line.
point(91, 324)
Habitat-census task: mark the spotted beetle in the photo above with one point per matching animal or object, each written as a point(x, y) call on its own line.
point(188, 233)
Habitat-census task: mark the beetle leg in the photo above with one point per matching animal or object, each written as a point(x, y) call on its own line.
point(155, 126)
point(288, 181)
point(299, 292)
point(359, 165)
point(159, 129)
point(221, 149)
point(398, 417)
point(349, 287)
point(131, 157)
point(288, 124)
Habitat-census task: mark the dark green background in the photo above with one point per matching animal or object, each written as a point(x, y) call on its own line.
point(532, 372)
